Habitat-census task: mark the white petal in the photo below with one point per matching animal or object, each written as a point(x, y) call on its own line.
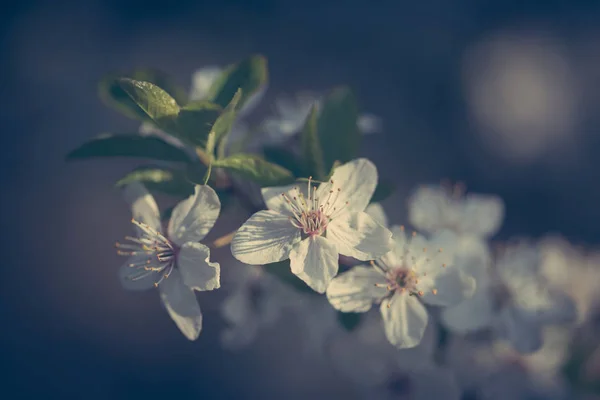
point(265, 238)
point(356, 180)
point(451, 287)
point(143, 206)
point(181, 304)
point(470, 315)
point(524, 333)
point(376, 211)
point(315, 261)
point(356, 290)
point(202, 80)
point(196, 269)
point(194, 217)
point(275, 200)
point(358, 235)
point(405, 320)
point(428, 208)
point(482, 215)
point(137, 278)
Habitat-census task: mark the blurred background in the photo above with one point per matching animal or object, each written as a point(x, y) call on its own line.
point(501, 95)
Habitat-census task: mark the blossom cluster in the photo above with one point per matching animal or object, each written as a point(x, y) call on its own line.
point(456, 313)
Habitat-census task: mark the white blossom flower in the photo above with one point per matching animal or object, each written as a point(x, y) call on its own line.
point(257, 302)
point(416, 271)
point(378, 370)
point(515, 299)
point(173, 261)
point(432, 207)
point(291, 113)
point(313, 228)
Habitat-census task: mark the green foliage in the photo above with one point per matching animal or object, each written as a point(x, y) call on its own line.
point(332, 134)
point(223, 124)
point(349, 321)
point(128, 145)
point(285, 158)
point(111, 92)
point(383, 190)
point(255, 168)
point(250, 75)
point(160, 179)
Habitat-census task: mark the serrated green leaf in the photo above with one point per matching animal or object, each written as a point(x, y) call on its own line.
point(255, 168)
point(383, 190)
point(128, 145)
point(251, 75)
point(281, 270)
point(160, 179)
point(349, 321)
point(223, 124)
point(337, 127)
point(312, 149)
point(114, 96)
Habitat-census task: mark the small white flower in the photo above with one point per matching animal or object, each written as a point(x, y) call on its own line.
point(313, 228)
point(417, 270)
point(291, 113)
point(202, 80)
point(257, 301)
point(515, 299)
point(431, 208)
point(174, 262)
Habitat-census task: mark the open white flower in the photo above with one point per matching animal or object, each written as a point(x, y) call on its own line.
point(291, 113)
point(174, 262)
point(515, 299)
point(312, 229)
point(416, 271)
point(432, 207)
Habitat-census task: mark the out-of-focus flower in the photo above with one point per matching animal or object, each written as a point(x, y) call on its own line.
point(291, 112)
point(174, 262)
point(378, 370)
point(202, 80)
point(313, 228)
point(515, 300)
point(416, 271)
point(256, 302)
point(434, 207)
point(492, 370)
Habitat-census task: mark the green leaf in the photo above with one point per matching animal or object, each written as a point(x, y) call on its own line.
point(128, 145)
point(114, 96)
point(337, 128)
point(151, 99)
point(194, 122)
point(281, 270)
point(223, 124)
point(311, 146)
point(349, 321)
point(195, 173)
point(255, 168)
point(383, 190)
point(285, 158)
point(251, 75)
point(160, 179)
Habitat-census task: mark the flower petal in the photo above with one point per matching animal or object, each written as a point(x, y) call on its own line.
point(202, 80)
point(428, 209)
point(358, 235)
point(194, 217)
point(143, 205)
point(136, 278)
point(356, 181)
point(266, 237)
point(315, 261)
point(470, 315)
point(524, 333)
point(405, 320)
point(196, 269)
point(181, 304)
point(376, 211)
point(448, 287)
point(275, 200)
point(482, 215)
point(355, 290)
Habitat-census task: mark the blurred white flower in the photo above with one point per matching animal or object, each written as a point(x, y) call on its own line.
point(291, 112)
point(174, 262)
point(202, 80)
point(434, 207)
point(378, 370)
point(416, 271)
point(494, 371)
point(256, 302)
point(515, 300)
point(313, 228)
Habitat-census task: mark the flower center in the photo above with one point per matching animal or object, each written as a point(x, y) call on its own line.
point(151, 253)
point(311, 214)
